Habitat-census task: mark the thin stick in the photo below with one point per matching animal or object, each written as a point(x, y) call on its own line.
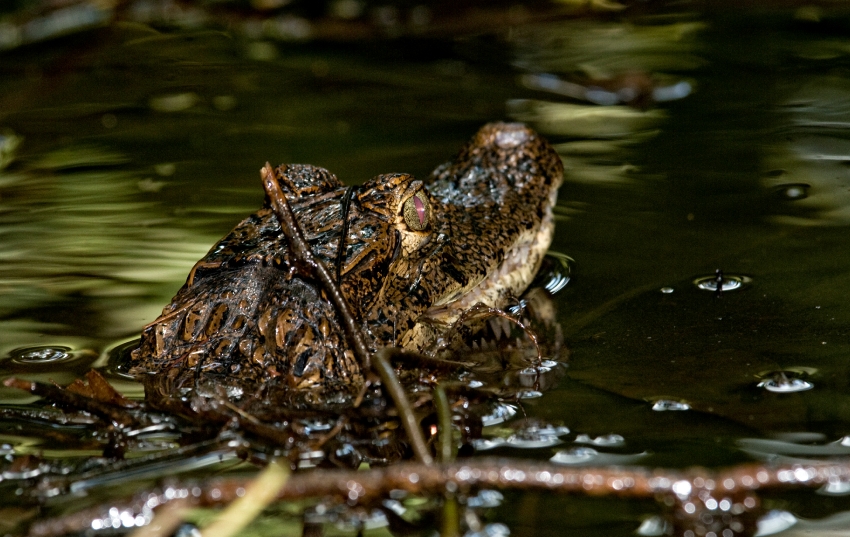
point(444, 418)
point(405, 410)
point(451, 513)
point(302, 252)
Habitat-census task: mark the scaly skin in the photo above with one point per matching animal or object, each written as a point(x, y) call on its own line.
point(416, 255)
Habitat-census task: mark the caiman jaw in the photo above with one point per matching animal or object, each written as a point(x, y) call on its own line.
point(510, 279)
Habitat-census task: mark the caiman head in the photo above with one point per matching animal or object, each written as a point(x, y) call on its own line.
point(410, 256)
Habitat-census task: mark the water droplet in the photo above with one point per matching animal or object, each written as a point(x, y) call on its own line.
point(667, 290)
point(793, 191)
point(41, 355)
point(729, 282)
point(667, 405)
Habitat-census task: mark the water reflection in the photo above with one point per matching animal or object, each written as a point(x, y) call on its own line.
point(808, 163)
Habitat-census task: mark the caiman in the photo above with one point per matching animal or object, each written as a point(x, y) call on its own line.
point(409, 255)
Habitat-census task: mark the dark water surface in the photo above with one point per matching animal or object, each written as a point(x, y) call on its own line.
point(139, 148)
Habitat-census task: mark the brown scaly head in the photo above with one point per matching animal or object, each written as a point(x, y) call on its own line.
point(413, 256)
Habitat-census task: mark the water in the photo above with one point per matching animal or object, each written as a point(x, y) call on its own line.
point(126, 152)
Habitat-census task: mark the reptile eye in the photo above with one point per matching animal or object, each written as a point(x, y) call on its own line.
point(417, 212)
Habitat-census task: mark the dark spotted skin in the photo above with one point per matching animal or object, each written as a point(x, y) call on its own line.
point(248, 316)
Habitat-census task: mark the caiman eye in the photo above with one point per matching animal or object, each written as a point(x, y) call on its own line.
point(417, 212)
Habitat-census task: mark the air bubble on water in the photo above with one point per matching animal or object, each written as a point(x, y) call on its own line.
point(793, 191)
point(608, 440)
point(787, 381)
point(528, 394)
point(786, 385)
point(41, 355)
point(535, 436)
point(502, 412)
point(475, 384)
point(729, 282)
point(577, 455)
point(669, 405)
point(667, 290)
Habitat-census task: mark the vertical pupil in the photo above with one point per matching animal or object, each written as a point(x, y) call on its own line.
point(420, 209)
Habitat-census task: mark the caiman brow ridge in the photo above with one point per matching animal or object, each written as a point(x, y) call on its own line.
point(247, 318)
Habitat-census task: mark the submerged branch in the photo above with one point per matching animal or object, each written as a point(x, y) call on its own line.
point(695, 486)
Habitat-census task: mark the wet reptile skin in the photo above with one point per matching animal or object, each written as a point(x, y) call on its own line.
point(416, 254)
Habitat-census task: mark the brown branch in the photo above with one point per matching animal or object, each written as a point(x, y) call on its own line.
point(302, 252)
point(364, 486)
